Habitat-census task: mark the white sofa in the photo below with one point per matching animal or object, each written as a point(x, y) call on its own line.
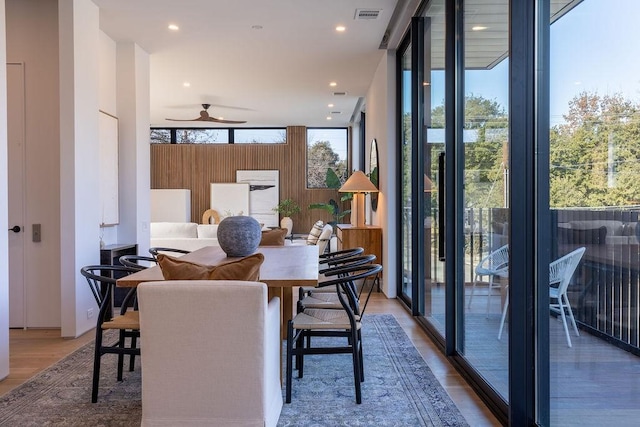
point(191, 236)
point(211, 354)
point(183, 235)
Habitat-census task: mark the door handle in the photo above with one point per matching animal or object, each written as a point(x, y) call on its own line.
point(15, 229)
point(441, 213)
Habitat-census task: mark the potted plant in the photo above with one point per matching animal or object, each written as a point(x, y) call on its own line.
point(332, 206)
point(286, 208)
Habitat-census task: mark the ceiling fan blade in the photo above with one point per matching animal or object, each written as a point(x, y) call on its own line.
point(213, 119)
point(205, 117)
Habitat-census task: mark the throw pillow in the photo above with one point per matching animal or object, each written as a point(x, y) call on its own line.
point(273, 237)
point(247, 268)
point(315, 232)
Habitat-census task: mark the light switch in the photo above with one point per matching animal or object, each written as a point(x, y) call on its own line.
point(36, 232)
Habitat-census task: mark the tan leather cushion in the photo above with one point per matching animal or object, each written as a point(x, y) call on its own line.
point(247, 268)
point(273, 237)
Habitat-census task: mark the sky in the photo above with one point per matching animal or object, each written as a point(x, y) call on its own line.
point(594, 48)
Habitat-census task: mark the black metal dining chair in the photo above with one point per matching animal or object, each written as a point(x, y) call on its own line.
point(320, 322)
point(102, 282)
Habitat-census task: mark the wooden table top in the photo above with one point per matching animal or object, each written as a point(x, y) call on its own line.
point(284, 266)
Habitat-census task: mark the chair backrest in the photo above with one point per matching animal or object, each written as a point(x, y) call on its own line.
point(209, 338)
point(496, 260)
point(562, 269)
point(173, 251)
point(345, 253)
point(102, 280)
point(345, 280)
point(340, 263)
point(138, 262)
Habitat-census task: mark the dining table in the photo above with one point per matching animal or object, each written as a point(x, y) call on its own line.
point(284, 268)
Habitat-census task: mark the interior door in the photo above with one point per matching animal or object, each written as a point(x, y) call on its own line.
point(16, 155)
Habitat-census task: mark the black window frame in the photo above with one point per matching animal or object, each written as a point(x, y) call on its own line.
point(348, 147)
point(230, 130)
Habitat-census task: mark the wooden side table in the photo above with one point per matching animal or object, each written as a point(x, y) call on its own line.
point(368, 237)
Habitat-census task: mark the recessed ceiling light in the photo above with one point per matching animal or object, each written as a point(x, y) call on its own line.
point(341, 28)
point(330, 105)
point(173, 27)
point(332, 84)
point(186, 84)
point(256, 27)
point(220, 118)
point(328, 117)
point(479, 28)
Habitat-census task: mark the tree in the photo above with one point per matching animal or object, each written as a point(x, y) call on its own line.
point(595, 153)
point(160, 136)
point(320, 157)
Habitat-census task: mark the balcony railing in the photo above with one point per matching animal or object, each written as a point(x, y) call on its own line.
point(605, 290)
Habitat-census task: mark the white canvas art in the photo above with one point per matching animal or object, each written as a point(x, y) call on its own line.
point(264, 194)
point(230, 199)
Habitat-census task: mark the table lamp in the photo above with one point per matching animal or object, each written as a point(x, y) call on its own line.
point(428, 185)
point(359, 184)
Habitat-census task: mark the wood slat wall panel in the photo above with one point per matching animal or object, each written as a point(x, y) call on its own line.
point(195, 166)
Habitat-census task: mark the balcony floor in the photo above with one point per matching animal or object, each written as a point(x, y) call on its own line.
point(593, 383)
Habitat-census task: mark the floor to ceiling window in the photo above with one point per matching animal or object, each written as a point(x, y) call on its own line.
point(485, 208)
point(595, 204)
point(434, 113)
point(522, 197)
point(406, 167)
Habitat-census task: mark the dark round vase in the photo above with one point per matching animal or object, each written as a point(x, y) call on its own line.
point(239, 235)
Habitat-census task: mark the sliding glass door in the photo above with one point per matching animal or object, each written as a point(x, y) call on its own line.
point(422, 124)
point(484, 212)
point(406, 167)
point(595, 204)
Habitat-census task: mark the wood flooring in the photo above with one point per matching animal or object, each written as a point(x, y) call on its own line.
point(31, 351)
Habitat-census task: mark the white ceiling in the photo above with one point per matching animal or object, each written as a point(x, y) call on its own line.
point(279, 75)
point(274, 76)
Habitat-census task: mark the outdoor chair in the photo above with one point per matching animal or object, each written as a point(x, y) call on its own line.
point(560, 273)
point(102, 281)
point(345, 323)
point(496, 264)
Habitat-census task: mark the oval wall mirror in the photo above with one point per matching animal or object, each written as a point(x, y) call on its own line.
point(374, 173)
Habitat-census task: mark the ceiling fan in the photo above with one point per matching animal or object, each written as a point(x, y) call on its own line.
point(205, 117)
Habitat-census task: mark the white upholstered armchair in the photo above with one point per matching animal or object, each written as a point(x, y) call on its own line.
point(211, 354)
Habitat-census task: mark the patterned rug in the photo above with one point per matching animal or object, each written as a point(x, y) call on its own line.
point(399, 390)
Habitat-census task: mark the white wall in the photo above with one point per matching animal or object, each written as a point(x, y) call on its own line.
point(108, 103)
point(380, 124)
point(4, 245)
point(32, 38)
point(135, 177)
point(80, 218)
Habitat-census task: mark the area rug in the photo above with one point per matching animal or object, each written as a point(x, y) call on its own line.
point(399, 390)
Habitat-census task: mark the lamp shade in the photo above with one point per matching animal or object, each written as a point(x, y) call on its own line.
point(358, 183)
